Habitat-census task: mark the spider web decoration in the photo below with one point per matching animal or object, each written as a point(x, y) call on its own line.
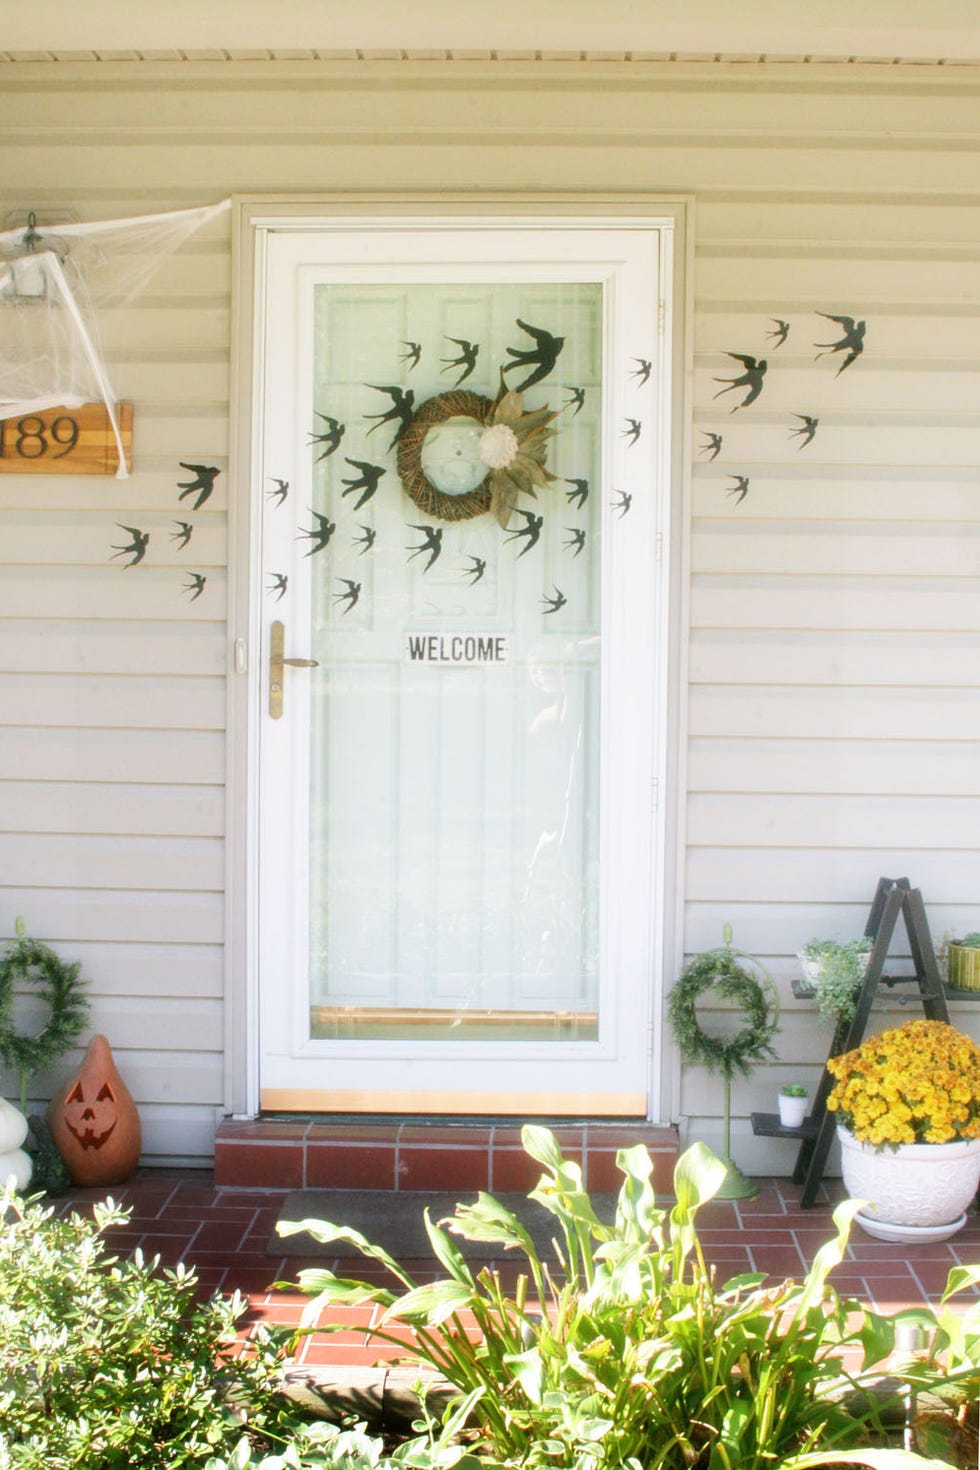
point(54, 283)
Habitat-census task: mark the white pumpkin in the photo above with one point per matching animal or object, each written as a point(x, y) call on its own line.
point(13, 1127)
point(18, 1164)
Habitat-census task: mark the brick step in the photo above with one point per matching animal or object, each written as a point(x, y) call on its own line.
point(276, 1152)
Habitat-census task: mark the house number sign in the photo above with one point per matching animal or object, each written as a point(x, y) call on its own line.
point(65, 441)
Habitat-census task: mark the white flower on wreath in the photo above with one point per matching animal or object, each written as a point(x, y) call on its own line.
point(499, 446)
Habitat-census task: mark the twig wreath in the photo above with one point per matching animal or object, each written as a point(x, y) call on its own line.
point(509, 442)
point(722, 971)
point(28, 963)
point(458, 403)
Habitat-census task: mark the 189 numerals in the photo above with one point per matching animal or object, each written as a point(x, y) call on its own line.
point(32, 436)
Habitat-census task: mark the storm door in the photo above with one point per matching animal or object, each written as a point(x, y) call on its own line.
point(462, 451)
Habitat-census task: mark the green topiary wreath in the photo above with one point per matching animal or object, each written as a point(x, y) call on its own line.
point(28, 963)
point(720, 970)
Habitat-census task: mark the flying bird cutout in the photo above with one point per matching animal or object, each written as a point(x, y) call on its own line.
point(541, 358)
point(202, 484)
point(751, 379)
point(331, 435)
point(852, 341)
point(136, 547)
point(432, 544)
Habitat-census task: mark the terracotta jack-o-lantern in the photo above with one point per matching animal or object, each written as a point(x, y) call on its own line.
point(94, 1121)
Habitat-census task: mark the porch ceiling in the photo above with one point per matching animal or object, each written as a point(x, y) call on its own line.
point(845, 31)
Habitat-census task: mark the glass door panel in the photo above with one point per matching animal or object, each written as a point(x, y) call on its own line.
point(457, 862)
point(454, 764)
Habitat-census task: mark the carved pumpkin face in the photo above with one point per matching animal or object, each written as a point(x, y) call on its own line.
point(91, 1121)
point(94, 1121)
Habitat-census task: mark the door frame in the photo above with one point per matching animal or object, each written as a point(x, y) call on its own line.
point(252, 216)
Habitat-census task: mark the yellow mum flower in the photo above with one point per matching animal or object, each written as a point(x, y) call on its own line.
point(917, 1083)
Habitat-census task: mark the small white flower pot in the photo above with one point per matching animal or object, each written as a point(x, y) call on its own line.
point(792, 1110)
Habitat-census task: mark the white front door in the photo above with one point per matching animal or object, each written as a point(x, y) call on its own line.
point(458, 853)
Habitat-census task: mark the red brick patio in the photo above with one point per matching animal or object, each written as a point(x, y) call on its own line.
point(182, 1215)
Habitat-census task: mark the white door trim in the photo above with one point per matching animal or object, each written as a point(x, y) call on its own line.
point(253, 217)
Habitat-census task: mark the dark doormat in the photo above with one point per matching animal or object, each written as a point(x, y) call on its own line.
point(393, 1220)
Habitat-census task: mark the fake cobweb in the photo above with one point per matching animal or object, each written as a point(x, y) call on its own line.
point(55, 283)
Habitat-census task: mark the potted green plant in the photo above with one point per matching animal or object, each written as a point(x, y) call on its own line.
point(836, 972)
point(792, 1104)
point(963, 962)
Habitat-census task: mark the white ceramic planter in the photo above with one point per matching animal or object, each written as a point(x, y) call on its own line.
point(915, 1188)
point(792, 1110)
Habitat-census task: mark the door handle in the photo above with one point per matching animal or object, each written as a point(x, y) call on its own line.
point(277, 662)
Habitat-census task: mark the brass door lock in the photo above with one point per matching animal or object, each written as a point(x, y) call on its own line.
point(277, 663)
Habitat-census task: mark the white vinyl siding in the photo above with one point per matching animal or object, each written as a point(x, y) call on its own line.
point(833, 708)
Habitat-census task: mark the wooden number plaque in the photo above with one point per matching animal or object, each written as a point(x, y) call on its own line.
point(65, 441)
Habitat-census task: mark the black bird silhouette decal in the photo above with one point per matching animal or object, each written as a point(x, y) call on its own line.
point(280, 492)
point(474, 572)
point(712, 445)
point(577, 540)
point(367, 540)
point(580, 494)
point(413, 354)
point(332, 436)
point(541, 357)
point(468, 352)
point(642, 371)
point(576, 402)
point(755, 371)
point(532, 531)
point(182, 535)
point(553, 604)
point(740, 489)
point(808, 427)
point(136, 548)
point(350, 596)
point(432, 544)
point(778, 337)
point(368, 481)
point(195, 585)
point(204, 478)
point(633, 430)
point(320, 534)
point(280, 581)
point(402, 408)
point(852, 341)
point(622, 504)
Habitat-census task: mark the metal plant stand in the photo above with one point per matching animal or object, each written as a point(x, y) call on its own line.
point(894, 898)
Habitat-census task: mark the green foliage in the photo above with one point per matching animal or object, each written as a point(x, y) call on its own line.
point(793, 1089)
point(316, 1446)
point(27, 963)
point(107, 1364)
point(724, 972)
point(840, 970)
point(969, 941)
point(628, 1354)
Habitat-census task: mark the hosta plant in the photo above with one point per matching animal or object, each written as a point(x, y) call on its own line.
point(625, 1352)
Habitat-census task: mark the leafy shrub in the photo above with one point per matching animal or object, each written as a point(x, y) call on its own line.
point(107, 1363)
point(839, 971)
point(630, 1354)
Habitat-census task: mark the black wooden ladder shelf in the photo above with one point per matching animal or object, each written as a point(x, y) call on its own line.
point(893, 898)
